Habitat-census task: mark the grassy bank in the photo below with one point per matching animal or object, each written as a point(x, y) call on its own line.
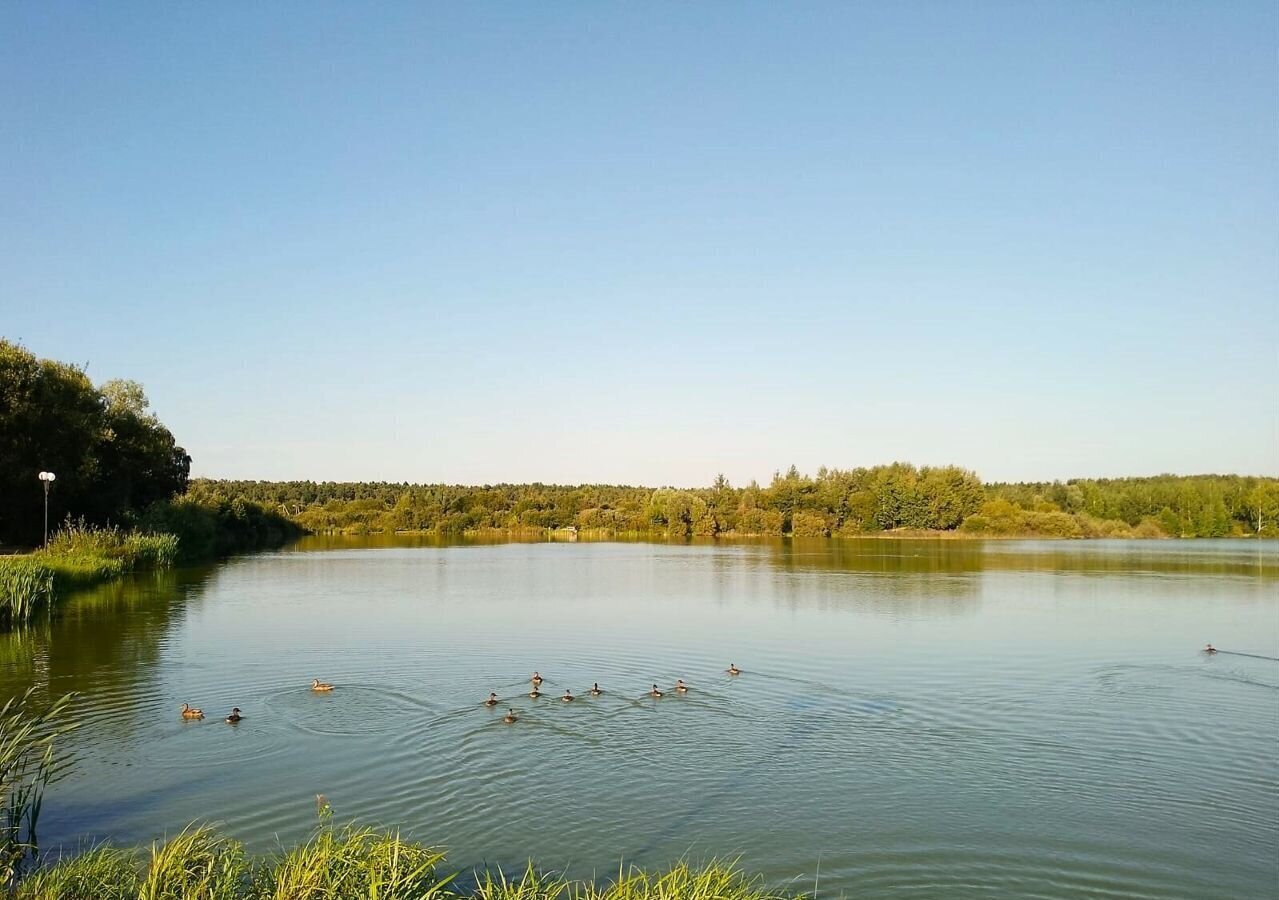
point(174, 531)
point(347, 864)
point(76, 557)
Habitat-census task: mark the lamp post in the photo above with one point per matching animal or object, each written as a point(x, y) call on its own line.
point(47, 478)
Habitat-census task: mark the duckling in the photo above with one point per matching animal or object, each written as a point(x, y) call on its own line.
point(733, 670)
point(510, 718)
point(655, 693)
point(536, 680)
point(680, 686)
point(596, 690)
point(190, 712)
point(318, 685)
point(492, 700)
point(235, 716)
point(535, 693)
point(568, 696)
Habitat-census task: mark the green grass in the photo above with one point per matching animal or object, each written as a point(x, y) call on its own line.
point(78, 544)
point(77, 556)
point(103, 873)
point(355, 862)
point(349, 864)
point(197, 864)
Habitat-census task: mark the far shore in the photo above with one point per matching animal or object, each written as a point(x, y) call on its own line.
point(585, 534)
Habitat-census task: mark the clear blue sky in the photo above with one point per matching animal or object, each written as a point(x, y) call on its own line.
point(649, 242)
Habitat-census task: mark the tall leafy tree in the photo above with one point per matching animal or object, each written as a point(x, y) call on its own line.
point(111, 455)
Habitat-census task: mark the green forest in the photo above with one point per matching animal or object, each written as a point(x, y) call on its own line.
point(899, 498)
point(118, 465)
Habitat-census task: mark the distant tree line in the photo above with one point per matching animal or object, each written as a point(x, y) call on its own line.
point(896, 497)
point(117, 464)
point(1178, 506)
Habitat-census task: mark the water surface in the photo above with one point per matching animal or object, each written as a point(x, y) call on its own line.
point(922, 718)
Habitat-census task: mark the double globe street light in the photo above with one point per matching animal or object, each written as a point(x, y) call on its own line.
point(47, 478)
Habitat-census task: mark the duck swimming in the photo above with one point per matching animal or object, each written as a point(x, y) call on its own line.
point(596, 690)
point(680, 686)
point(655, 692)
point(190, 712)
point(733, 670)
point(492, 700)
point(510, 718)
point(536, 680)
point(568, 696)
point(318, 685)
point(1210, 649)
point(535, 693)
point(235, 716)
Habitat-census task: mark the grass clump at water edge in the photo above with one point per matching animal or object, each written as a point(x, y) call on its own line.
point(103, 873)
point(77, 556)
point(356, 862)
point(349, 864)
point(26, 589)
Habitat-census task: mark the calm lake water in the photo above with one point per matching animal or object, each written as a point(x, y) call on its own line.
point(920, 719)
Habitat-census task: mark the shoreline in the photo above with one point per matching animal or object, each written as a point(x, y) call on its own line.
point(560, 535)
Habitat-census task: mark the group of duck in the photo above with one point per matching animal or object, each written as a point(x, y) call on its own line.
point(190, 712)
point(535, 691)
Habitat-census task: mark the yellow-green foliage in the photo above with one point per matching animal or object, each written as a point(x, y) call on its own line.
point(349, 864)
point(715, 881)
point(196, 865)
point(356, 862)
point(531, 885)
point(1003, 518)
point(809, 524)
point(100, 874)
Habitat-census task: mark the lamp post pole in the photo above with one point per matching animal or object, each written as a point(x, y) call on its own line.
point(47, 478)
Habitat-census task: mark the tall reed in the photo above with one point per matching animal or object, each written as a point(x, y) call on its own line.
point(26, 589)
point(29, 762)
